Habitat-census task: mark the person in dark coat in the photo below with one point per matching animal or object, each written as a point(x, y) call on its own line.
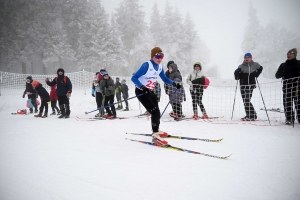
point(124, 90)
point(177, 96)
point(247, 73)
point(289, 71)
point(107, 88)
point(31, 94)
point(63, 91)
point(118, 87)
point(45, 98)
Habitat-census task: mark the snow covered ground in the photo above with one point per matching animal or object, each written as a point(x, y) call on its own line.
point(68, 159)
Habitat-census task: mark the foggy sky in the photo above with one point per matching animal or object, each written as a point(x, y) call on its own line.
point(221, 23)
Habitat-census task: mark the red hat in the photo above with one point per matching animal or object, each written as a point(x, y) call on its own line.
point(35, 83)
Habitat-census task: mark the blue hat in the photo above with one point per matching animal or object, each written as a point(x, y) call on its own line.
point(104, 73)
point(248, 55)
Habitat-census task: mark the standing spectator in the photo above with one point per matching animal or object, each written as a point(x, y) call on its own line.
point(97, 92)
point(31, 94)
point(45, 98)
point(196, 80)
point(53, 99)
point(246, 73)
point(145, 79)
point(118, 93)
point(124, 90)
point(177, 96)
point(63, 91)
point(167, 74)
point(107, 88)
point(289, 71)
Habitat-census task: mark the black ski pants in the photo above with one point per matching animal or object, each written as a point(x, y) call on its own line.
point(150, 102)
point(246, 92)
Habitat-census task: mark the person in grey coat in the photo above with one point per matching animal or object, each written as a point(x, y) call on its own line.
point(247, 72)
point(107, 88)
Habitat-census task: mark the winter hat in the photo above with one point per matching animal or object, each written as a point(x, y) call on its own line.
point(155, 50)
point(29, 78)
point(35, 83)
point(60, 70)
point(97, 73)
point(169, 63)
point(294, 51)
point(104, 73)
point(102, 69)
point(248, 55)
point(198, 64)
point(123, 81)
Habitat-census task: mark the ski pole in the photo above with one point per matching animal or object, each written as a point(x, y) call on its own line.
point(103, 107)
point(263, 101)
point(168, 103)
point(234, 99)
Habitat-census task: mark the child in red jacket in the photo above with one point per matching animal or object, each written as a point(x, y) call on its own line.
point(53, 99)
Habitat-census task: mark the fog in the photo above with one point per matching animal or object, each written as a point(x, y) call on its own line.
point(38, 37)
point(221, 24)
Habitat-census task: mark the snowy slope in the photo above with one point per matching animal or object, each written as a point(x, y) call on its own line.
point(68, 159)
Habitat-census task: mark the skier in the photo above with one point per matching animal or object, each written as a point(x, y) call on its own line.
point(53, 99)
point(124, 90)
point(31, 94)
point(246, 73)
point(108, 90)
point(118, 87)
point(196, 80)
point(45, 98)
point(145, 79)
point(289, 71)
point(63, 91)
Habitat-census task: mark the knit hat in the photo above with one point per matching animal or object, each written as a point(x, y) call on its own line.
point(155, 50)
point(29, 78)
point(102, 69)
point(97, 73)
point(169, 63)
point(123, 81)
point(248, 55)
point(104, 73)
point(35, 83)
point(294, 51)
point(198, 64)
point(60, 70)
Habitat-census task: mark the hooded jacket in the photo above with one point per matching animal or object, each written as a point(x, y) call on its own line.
point(107, 87)
point(42, 92)
point(196, 79)
point(29, 89)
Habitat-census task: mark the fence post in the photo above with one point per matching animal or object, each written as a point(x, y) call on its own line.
point(84, 79)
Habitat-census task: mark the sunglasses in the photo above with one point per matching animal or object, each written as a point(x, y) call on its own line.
point(196, 65)
point(159, 55)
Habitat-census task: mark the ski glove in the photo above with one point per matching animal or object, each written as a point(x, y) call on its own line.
point(177, 85)
point(23, 95)
point(258, 71)
point(145, 90)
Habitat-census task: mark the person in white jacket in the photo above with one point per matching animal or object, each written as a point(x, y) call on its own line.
point(196, 80)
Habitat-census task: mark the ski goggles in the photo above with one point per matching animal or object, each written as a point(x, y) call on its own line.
point(159, 55)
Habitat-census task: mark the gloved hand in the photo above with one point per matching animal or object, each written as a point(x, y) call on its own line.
point(93, 92)
point(23, 95)
point(184, 99)
point(258, 71)
point(237, 73)
point(145, 90)
point(177, 85)
point(68, 95)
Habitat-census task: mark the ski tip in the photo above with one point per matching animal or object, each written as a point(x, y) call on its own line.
point(224, 157)
point(86, 113)
point(220, 139)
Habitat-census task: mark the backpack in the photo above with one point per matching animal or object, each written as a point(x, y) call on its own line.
point(65, 79)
